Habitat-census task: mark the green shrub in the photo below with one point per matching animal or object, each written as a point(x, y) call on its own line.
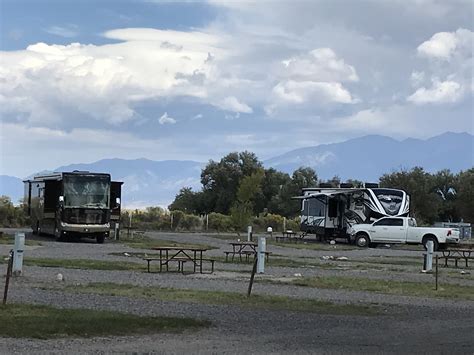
point(219, 222)
point(189, 222)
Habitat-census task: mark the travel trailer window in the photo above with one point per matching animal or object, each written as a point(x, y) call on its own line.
point(313, 207)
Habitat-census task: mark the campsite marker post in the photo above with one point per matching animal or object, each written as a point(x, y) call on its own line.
point(18, 255)
point(262, 243)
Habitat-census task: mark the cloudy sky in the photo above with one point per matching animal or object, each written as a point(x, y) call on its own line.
point(86, 80)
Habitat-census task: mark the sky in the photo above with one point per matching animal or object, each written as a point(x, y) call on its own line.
point(85, 80)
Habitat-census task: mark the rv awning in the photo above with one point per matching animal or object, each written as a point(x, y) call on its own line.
point(328, 193)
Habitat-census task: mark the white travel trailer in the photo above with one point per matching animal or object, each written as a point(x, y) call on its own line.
point(328, 212)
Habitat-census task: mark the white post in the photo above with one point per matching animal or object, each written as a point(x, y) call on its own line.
point(18, 254)
point(116, 231)
point(262, 246)
point(249, 233)
point(429, 258)
point(284, 224)
point(207, 222)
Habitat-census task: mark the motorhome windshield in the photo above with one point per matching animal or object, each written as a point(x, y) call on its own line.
point(86, 191)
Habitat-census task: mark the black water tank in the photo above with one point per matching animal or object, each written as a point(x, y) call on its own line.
point(371, 185)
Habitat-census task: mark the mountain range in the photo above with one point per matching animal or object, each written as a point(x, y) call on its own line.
point(148, 182)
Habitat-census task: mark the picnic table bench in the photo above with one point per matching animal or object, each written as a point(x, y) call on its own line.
point(456, 255)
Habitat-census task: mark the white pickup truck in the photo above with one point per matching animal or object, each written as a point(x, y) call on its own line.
point(401, 230)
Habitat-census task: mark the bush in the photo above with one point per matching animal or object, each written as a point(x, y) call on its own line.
point(177, 217)
point(262, 222)
point(219, 222)
point(189, 222)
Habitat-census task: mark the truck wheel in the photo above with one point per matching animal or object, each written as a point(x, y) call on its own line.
point(362, 240)
point(100, 239)
point(434, 240)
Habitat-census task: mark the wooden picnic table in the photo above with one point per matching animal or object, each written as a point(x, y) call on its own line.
point(245, 249)
point(180, 255)
point(457, 254)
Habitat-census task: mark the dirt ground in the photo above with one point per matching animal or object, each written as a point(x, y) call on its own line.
point(404, 323)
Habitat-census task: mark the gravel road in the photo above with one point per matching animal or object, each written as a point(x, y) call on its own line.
point(407, 325)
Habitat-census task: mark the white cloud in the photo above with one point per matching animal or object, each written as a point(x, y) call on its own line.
point(440, 92)
point(104, 82)
point(165, 119)
point(231, 103)
point(320, 64)
point(299, 92)
point(444, 45)
point(450, 68)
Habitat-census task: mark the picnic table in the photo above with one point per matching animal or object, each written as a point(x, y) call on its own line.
point(290, 235)
point(181, 255)
point(245, 249)
point(457, 254)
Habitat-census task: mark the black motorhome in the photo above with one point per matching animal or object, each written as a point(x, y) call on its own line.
point(77, 203)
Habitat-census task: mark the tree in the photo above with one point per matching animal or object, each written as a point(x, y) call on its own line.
point(465, 195)
point(249, 190)
point(221, 180)
point(185, 200)
point(445, 186)
point(424, 200)
point(301, 178)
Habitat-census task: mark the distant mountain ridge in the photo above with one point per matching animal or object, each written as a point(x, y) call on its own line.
point(367, 158)
point(151, 183)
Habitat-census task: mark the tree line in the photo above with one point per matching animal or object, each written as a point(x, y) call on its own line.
point(238, 190)
point(238, 185)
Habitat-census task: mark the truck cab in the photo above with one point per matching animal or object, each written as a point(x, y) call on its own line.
point(401, 230)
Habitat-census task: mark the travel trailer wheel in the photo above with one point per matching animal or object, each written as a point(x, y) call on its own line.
point(362, 240)
point(100, 239)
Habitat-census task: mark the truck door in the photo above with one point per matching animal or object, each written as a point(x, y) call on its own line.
point(389, 230)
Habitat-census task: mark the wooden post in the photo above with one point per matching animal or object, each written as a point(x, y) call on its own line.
point(7, 279)
point(254, 270)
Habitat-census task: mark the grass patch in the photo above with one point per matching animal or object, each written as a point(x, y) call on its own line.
point(144, 242)
point(406, 288)
point(45, 322)
point(85, 264)
point(226, 298)
point(10, 240)
point(311, 245)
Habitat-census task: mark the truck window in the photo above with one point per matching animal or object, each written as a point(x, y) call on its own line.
point(398, 222)
point(412, 222)
point(382, 222)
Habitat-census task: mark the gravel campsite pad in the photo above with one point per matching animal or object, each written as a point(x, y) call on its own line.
point(311, 299)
